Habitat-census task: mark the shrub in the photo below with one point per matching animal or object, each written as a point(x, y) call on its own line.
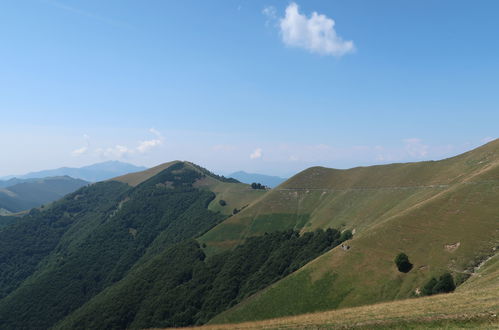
point(256, 185)
point(444, 284)
point(402, 262)
point(222, 202)
point(346, 235)
point(428, 288)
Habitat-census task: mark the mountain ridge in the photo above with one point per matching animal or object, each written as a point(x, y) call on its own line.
point(53, 260)
point(92, 173)
point(25, 194)
point(444, 216)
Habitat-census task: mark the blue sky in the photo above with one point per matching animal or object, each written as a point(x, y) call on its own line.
point(264, 86)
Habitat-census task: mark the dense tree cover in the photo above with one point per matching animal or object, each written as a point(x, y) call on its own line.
point(179, 287)
point(216, 176)
point(445, 283)
point(31, 238)
point(91, 239)
point(402, 262)
point(6, 220)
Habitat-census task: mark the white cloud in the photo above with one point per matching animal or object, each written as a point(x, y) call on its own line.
point(117, 151)
point(156, 132)
point(83, 150)
point(120, 151)
point(144, 146)
point(257, 153)
point(415, 147)
point(315, 33)
point(79, 151)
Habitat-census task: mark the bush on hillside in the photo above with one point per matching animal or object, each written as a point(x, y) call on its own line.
point(222, 202)
point(256, 185)
point(346, 235)
point(402, 262)
point(444, 284)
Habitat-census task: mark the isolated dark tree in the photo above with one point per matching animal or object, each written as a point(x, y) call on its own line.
point(444, 284)
point(235, 211)
point(222, 202)
point(256, 185)
point(402, 262)
point(346, 235)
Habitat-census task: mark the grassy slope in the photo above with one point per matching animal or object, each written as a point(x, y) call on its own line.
point(470, 309)
point(136, 178)
point(417, 208)
point(475, 304)
point(236, 195)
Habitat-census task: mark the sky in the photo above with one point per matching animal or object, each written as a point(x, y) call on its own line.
point(263, 86)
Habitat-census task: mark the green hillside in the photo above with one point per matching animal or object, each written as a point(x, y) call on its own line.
point(26, 194)
point(443, 215)
point(54, 260)
point(475, 304)
point(180, 287)
point(177, 245)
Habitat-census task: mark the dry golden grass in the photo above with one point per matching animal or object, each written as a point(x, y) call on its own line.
point(472, 308)
point(136, 178)
point(417, 208)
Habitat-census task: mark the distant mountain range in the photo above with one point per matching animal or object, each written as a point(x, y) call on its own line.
point(92, 173)
point(267, 180)
point(21, 194)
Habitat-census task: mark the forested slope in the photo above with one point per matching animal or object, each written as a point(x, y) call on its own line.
point(54, 260)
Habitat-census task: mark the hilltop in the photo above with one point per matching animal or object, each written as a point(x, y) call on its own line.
point(54, 260)
point(442, 214)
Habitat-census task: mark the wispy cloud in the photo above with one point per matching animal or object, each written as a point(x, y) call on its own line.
point(144, 146)
point(83, 150)
point(87, 14)
point(416, 148)
point(316, 33)
point(120, 151)
point(79, 151)
point(271, 13)
point(116, 152)
point(257, 153)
